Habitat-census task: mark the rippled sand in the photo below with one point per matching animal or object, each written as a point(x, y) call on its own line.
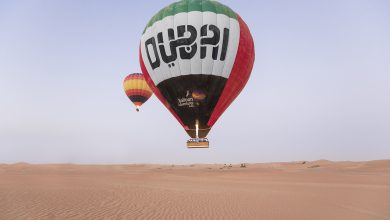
point(296, 190)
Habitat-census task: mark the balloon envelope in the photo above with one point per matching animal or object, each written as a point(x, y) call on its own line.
point(197, 56)
point(136, 88)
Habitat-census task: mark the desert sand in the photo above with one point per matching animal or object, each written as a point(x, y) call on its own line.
point(294, 190)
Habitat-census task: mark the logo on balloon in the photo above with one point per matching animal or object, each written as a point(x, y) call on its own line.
point(198, 95)
point(189, 102)
point(191, 99)
point(210, 35)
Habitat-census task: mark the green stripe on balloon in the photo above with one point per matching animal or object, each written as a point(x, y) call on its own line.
point(191, 5)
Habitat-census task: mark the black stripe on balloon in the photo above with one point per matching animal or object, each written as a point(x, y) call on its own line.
point(193, 98)
point(138, 98)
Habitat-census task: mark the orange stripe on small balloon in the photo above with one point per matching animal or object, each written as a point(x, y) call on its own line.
point(138, 103)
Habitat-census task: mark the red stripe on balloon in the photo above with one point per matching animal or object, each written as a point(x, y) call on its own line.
point(140, 92)
point(155, 89)
point(134, 76)
point(239, 76)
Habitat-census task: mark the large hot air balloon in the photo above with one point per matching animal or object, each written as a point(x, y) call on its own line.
point(197, 56)
point(137, 89)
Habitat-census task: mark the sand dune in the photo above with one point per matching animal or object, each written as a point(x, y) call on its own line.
point(295, 190)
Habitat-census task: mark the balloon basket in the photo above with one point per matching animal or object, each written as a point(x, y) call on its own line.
point(198, 143)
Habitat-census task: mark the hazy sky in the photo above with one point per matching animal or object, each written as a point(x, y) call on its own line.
point(320, 87)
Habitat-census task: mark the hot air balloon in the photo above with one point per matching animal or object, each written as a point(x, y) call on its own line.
point(137, 89)
point(197, 56)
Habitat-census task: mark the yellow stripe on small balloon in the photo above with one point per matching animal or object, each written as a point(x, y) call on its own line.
point(136, 84)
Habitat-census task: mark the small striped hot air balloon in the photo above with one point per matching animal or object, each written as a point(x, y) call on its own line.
point(137, 89)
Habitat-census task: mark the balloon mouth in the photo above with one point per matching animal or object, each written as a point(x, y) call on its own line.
point(197, 142)
point(201, 133)
point(197, 129)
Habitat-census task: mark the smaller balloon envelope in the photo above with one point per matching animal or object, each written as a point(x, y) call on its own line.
point(137, 90)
